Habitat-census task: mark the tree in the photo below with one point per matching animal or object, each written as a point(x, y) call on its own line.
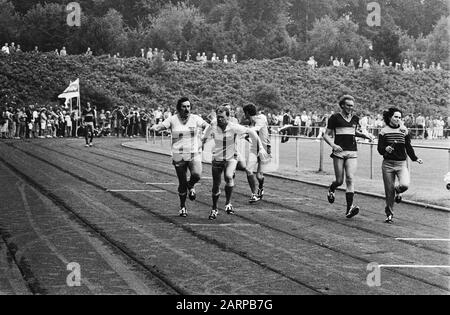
point(9, 22)
point(439, 42)
point(172, 21)
point(336, 38)
point(386, 45)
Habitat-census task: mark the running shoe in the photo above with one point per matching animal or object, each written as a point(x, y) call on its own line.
point(331, 196)
point(398, 197)
point(260, 193)
point(354, 210)
point(87, 145)
point(183, 212)
point(229, 209)
point(389, 216)
point(90, 144)
point(213, 215)
point(254, 199)
point(192, 194)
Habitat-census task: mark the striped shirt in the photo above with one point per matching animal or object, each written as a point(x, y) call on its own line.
point(225, 141)
point(186, 137)
point(344, 131)
point(399, 139)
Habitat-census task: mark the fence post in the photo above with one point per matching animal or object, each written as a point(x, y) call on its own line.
point(297, 153)
point(162, 138)
point(449, 160)
point(371, 160)
point(321, 155)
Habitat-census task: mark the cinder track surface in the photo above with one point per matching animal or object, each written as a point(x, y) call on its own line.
point(114, 211)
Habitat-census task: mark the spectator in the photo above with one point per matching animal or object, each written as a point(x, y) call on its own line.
point(149, 54)
point(88, 52)
point(5, 49)
point(312, 63)
point(420, 125)
point(382, 64)
point(204, 58)
point(174, 56)
point(225, 59)
point(142, 53)
point(18, 50)
point(188, 56)
point(36, 49)
point(56, 52)
point(12, 48)
point(360, 62)
point(63, 52)
point(366, 65)
point(68, 124)
point(341, 62)
point(351, 64)
point(233, 58)
point(336, 62)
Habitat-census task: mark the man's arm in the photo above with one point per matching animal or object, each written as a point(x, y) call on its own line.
point(364, 134)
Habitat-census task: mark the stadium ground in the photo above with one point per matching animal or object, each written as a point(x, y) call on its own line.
point(113, 211)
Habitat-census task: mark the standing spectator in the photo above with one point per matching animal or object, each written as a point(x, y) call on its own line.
point(428, 134)
point(36, 50)
point(18, 50)
point(360, 62)
point(312, 63)
point(68, 124)
point(149, 54)
point(188, 56)
point(394, 144)
point(88, 52)
point(303, 121)
point(233, 58)
point(336, 62)
point(158, 115)
point(225, 59)
point(420, 125)
point(366, 65)
point(12, 48)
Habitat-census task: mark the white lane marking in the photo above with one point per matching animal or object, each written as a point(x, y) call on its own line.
point(413, 266)
point(125, 190)
point(265, 210)
point(424, 239)
point(168, 184)
point(221, 224)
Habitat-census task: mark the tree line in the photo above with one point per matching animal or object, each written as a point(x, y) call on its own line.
point(252, 29)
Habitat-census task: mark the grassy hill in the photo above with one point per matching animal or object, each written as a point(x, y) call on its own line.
point(273, 84)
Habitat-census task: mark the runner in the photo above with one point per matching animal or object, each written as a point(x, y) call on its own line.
point(344, 127)
point(225, 156)
point(394, 144)
point(88, 121)
point(259, 124)
point(186, 130)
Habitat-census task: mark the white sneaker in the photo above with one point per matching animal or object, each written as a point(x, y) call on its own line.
point(213, 215)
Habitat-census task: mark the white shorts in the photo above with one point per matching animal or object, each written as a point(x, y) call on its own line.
point(254, 163)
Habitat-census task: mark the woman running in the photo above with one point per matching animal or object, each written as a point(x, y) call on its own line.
point(394, 144)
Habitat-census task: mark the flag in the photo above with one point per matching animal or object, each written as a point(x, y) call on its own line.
point(72, 91)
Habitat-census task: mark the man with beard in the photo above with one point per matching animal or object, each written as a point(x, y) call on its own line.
point(186, 130)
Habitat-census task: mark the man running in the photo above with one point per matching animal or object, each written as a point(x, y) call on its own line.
point(225, 156)
point(88, 121)
point(259, 124)
point(344, 127)
point(186, 130)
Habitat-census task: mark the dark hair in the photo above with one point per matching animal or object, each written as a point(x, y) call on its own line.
point(345, 98)
point(223, 109)
point(250, 109)
point(181, 101)
point(387, 115)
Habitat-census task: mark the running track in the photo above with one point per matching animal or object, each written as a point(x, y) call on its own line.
point(113, 211)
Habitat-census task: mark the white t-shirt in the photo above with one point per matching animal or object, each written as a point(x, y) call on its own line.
point(186, 138)
point(261, 127)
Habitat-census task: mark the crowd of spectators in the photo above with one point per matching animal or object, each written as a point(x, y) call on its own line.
point(406, 65)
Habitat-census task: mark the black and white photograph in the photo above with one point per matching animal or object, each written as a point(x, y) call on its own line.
point(224, 155)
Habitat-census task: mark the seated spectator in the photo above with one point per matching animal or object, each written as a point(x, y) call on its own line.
point(63, 52)
point(19, 50)
point(225, 59)
point(438, 66)
point(56, 52)
point(36, 49)
point(336, 62)
point(188, 56)
point(5, 49)
point(351, 64)
point(88, 52)
point(198, 58)
point(174, 57)
point(233, 58)
point(366, 64)
point(204, 57)
point(342, 63)
point(382, 64)
point(12, 48)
